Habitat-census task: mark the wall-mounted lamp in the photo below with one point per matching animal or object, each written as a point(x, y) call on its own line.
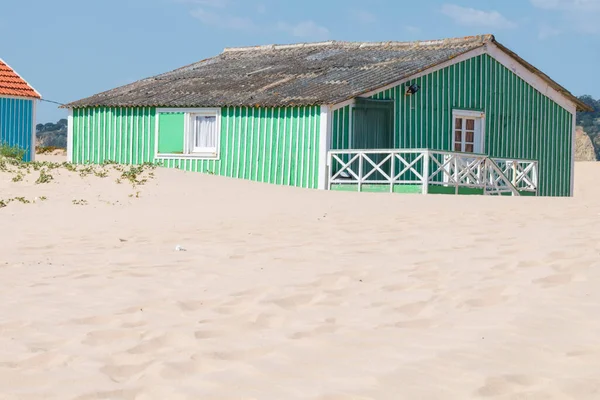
point(412, 89)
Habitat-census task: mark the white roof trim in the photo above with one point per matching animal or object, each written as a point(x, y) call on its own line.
point(532, 79)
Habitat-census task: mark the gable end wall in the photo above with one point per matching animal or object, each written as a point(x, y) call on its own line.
point(521, 122)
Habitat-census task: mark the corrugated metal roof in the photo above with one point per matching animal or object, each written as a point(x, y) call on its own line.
point(286, 75)
point(11, 84)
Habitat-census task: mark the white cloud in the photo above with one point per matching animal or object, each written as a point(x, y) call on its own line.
point(206, 3)
point(568, 5)
point(412, 29)
point(547, 31)
point(223, 20)
point(575, 15)
point(304, 29)
point(477, 18)
point(261, 8)
point(363, 16)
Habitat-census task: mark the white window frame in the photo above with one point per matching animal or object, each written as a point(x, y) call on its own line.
point(188, 135)
point(470, 115)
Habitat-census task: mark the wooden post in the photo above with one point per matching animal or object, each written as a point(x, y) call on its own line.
point(393, 172)
point(360, 170)
point(425, 181)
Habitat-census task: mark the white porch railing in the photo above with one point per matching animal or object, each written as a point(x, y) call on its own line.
point(495, 176)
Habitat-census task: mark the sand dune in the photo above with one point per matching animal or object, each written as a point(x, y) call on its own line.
point(284, 293)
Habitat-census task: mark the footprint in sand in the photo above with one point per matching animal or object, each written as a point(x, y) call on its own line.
point(208, 334)
point(327, 328)
point(554, 280)
point(46, 360)
point(113, 394)
point(164, 341)
point(412, 309)
point(292, 302)
point(123, 373)
point(422, 323)
point(488, 298)
point(506, 385)
point(110, 336)
point(190, 306)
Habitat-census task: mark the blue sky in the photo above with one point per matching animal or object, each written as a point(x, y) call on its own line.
point(70, 49)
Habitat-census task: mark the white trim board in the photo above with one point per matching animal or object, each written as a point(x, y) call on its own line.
point(70, 136)
point(186, 125)
point(533, 80)
point(5, 96)
point(33, 129)
point(470, 114)
point(573, 144)
point(324, 145)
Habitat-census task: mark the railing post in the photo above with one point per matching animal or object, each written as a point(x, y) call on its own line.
point(425, 181)
point(456, 173)
point(514, 173)
point(535, 178)
point(360, 170)
point(484, 175)
point(329, 169)
point(393, 172)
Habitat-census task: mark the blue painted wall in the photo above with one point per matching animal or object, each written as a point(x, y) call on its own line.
point(16, 124)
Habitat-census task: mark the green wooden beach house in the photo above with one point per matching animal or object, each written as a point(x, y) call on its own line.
point(460, 116)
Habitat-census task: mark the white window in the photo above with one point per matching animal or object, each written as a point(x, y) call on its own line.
point(468, 133)
point(203, 133)
point(188, 133)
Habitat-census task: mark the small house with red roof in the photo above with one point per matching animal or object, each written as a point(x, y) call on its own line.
point(17, 111)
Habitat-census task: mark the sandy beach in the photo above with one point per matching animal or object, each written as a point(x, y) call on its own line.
point(285, 293)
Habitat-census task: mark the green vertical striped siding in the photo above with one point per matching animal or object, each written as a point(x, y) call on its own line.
point(273, 145)
point(520, 121)
point(122, 135)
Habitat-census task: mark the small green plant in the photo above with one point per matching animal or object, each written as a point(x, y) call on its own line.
point(45, 177)
point(101, 173)
point(85, 171)
point(13, 152)
point(47, 149)
point(80, 202)
point(18, 177)
point(132, 175)
point(69, 167)
point(3, 203)
point(43, 198)
point(22, 200)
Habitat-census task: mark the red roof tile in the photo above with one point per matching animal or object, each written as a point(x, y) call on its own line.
point(11, 84)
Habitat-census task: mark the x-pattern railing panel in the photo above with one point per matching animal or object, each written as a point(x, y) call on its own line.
point(426, 167)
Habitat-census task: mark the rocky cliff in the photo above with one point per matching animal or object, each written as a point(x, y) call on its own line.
point(584, 149)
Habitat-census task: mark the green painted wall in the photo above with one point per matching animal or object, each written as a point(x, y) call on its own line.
point(520, 121)
point(273, 145)
point(123, 135)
